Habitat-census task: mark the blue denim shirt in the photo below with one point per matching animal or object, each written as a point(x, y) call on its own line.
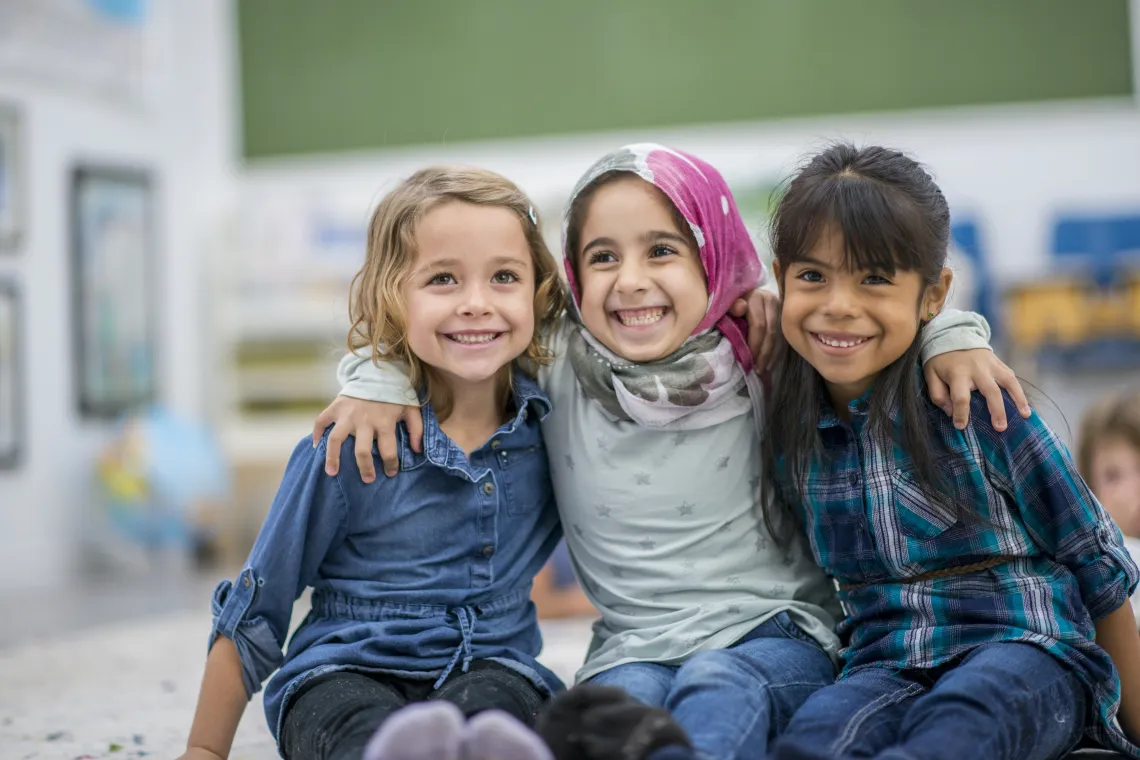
point(413, 576)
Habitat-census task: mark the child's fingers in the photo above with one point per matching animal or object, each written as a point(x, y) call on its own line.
point(938, 390)
point(960, 389)
point(995, 401)
point(771, 313)
point(324, 419)
point(389, 453)
point(757, 317)
point(332, 453)
point(363, 451)
point(415, 422)
point(1006, 378)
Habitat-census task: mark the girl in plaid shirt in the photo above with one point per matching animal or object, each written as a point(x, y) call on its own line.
point(985, 589)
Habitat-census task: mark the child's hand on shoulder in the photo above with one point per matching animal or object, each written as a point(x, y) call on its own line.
point(368, 421)
point(952, 377)
point(760, 308)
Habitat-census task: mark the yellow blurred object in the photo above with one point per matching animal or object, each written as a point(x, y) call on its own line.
point(1069, 312)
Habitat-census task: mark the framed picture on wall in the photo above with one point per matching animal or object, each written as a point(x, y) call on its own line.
point(114, 284)
point(11, 373)
point(11, 178)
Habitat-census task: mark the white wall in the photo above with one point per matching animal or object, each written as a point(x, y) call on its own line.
point(183, 137)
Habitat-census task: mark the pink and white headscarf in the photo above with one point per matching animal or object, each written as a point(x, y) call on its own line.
point(709, 378)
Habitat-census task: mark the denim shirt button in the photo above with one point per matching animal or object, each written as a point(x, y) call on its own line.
point(245, 581)
point(495, 444)
point(853, 479)
point(488, 551)
point(488, 488)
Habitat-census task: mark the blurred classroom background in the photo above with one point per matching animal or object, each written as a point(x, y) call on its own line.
point(184, 188)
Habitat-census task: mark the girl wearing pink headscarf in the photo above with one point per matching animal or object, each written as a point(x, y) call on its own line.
point(654, 455)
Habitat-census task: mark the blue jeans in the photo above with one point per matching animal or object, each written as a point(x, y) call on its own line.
point(1002, 700)
point(733, 702)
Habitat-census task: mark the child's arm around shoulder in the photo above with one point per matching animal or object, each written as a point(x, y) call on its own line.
point(251, 615)
point(373, 399)
point(957, 360)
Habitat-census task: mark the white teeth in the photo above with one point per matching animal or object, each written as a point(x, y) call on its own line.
point(840, 343)
point(474, 337)
point(641, 316)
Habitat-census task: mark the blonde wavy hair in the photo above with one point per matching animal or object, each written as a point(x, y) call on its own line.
point(376, 305)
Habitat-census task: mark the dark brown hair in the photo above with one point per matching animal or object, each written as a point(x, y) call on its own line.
point(891, 216)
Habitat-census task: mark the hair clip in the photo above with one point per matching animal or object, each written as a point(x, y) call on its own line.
point(532, 215)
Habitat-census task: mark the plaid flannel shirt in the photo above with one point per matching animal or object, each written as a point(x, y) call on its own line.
point(870, 523)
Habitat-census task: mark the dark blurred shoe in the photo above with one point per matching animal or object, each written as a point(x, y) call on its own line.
point(604, 723)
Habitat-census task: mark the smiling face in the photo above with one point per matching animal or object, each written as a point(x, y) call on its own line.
point(640, 274)
point(851, 324)
point(470, 294)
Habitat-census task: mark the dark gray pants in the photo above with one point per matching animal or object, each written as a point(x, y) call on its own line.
point(334, 715)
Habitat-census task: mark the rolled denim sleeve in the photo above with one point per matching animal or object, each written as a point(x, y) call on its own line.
point(954, 330)
point(1060, 512)
point(307, 518)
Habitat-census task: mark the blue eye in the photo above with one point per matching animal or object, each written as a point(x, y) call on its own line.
point(810, 275)
point(504, 277)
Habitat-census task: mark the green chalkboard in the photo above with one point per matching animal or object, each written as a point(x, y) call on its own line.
point(356, 74)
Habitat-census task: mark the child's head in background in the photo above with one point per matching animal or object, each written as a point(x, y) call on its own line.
point(457, 282)
point(1109, 457)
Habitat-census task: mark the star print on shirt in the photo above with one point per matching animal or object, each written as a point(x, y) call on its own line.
point(733, 580)
point(603, 510)
point(689, 564)
point(642, 478)
point(685, 509)
point(647, 544)
point(570, 462)
point(578, 529)
point(617, 572)
point(678, 438)
point(722, 463)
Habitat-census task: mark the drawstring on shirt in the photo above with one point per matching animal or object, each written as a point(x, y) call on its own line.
point(466, 617)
